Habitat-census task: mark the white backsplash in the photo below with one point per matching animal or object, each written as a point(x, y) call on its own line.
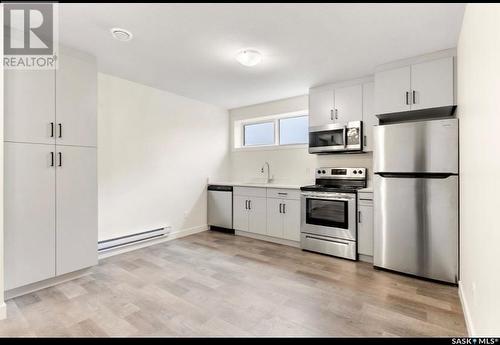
point(291, 166)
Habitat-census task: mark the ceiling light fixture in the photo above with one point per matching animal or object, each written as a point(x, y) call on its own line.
point(121, 34)
point(249, 57)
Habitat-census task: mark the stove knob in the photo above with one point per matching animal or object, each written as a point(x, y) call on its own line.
point(355, 172)
point(360, 172)
point(323, 172)
point(319, 171)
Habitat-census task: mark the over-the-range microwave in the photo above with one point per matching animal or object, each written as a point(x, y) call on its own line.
point(336, 138)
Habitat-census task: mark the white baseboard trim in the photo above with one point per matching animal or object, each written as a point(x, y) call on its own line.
point(3, 311)
point(268, 238)
point(465, 307)
point(152, 242)
point(365, 258)
point(23, 290)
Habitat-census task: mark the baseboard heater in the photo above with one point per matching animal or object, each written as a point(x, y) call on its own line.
point(122, 241)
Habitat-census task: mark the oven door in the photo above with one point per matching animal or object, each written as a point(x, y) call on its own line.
point(329, 214)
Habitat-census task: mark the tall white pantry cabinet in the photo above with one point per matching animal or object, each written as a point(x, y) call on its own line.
point(50, 170)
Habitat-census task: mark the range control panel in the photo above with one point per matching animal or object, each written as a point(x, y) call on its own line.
point(341, 173)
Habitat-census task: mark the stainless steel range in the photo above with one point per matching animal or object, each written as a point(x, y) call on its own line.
point(328, 212)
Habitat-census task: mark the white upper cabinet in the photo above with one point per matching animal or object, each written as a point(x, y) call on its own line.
point(76, 101)
point(348, 103)
point(321, 105)
point(29, 106)
point(432, 84)
point(47, 107)
point(421, 85)
point(369, 118)
point(392, 90)
point(339, 103)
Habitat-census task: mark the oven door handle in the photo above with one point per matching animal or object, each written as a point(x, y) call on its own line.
point(327, 240)
point(344, 133)
point(327, 198)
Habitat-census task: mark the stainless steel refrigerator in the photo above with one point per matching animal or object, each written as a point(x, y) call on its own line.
point(416, 198)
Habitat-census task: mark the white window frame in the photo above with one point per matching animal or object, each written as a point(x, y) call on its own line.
point(257, 123)
point(239, 132)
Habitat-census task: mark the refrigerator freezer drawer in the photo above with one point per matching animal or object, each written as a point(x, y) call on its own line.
point(416, 147)
point(416, 226)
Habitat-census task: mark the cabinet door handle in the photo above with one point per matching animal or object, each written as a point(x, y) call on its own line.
point(331, 114)
point(60, 130)
point(336, 114)
point(364, 140)
point(249, 204)
point(60, 159)
point(280, 207)
point(414, 98)
point(359, 216)
point(284, 208)
point(51, 158)
point(246, 204)
point(407, 96)
point(52, 129)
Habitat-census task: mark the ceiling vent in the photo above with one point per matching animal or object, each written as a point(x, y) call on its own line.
point(121, 34)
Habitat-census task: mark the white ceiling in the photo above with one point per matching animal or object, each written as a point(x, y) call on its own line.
point(189, 49)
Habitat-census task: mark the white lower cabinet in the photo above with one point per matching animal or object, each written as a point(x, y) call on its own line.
point(50, 211)
point(29, 213)
point(291, 220)
point(272, 212)
point(275, 218)
point(283, 219)
point(240, 212)
point(76, 206)
point(257, 215)
point(249, 214)
point(365, 224)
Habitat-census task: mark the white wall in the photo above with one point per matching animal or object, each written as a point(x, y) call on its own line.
point(294, 166)
point(156, 151)
point(479, 113)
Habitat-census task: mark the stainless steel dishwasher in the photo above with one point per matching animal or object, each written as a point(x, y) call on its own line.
point(220, 208)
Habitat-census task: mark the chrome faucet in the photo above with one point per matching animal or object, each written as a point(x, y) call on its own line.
point(269, 178)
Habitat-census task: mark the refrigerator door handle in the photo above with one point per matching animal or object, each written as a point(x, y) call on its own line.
point(415, 175)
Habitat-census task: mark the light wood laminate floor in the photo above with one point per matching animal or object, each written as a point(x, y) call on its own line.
point(214, 284)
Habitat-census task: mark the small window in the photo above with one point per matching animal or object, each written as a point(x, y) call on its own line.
point(258, 134)
point(294, 130)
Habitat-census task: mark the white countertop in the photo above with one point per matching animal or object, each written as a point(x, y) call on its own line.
point(366, 190)
point(257, 184)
